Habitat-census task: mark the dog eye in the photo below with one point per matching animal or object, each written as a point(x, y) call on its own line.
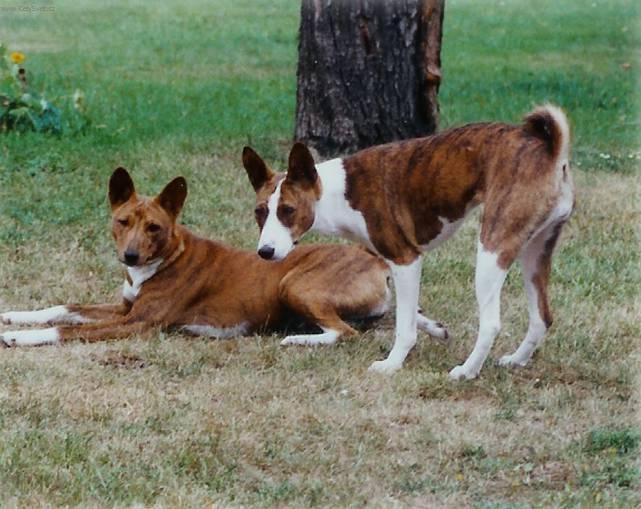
point(287, 210)
point(153, 228)
point(123, 222)
point(260, 211)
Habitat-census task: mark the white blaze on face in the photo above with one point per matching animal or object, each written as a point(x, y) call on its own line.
point(275, 234)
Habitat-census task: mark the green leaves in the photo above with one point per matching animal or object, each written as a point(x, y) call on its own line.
point(22, 109)
point(29, 115)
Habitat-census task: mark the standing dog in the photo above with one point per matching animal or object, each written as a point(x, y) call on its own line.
point(176, 279)
point(408, 197)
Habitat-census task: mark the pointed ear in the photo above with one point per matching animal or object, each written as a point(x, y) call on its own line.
point(173, 196)
point(257, 170)
point(301, 167)
point(121, 188)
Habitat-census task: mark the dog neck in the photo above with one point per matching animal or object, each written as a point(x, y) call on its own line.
point(175, 248)
point(333, 213)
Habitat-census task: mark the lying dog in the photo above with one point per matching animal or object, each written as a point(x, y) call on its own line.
point(408, 197)
point(176, 279)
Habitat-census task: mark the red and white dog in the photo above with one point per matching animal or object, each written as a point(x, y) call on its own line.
point(176, 279)
point(408, 197)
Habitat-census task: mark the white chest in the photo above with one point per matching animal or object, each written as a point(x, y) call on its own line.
point(138, 276)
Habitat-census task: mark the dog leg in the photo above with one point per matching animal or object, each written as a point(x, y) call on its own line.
point(65, 314)
point(407, 280)
point(433, 328)
point(328, 320)
point(35, 337)
point(49, 315)
point(90, 332)
point(317, 303)
point(100, 312)
point(536, 261)
point(488, 281)
point(328, 337)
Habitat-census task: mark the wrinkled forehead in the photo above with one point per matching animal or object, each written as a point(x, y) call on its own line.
point(268, 188)
point(298, 193)
point(143, 208)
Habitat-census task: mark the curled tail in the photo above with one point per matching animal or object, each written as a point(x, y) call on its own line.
point(549, 123)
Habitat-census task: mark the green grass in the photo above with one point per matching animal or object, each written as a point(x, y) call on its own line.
point(179, 88)
point(504, 57)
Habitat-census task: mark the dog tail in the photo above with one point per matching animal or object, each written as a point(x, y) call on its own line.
point(549, 124)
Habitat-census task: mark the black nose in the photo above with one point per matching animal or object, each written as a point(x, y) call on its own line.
point(131, 258)
point(266, 252)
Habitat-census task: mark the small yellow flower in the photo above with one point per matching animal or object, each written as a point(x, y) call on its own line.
point(17, 57)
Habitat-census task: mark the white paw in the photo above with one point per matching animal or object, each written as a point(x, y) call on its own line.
point(438, 331)
point(511, 361)
point(6, 318)
point(31, 337)
point(435, 329)
point(385, 367)
point(291, 340)
point(10, 338)
point(327, 338)
point(47, 315)
point(463, 373)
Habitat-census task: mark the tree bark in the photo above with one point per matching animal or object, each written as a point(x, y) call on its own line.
point(368, 72)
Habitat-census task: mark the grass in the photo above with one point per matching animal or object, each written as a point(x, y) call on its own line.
point(499, 63)
point(170, 421)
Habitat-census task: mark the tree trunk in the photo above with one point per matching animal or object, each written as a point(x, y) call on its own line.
point(368, 72)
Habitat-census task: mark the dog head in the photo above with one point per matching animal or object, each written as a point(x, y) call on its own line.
point(285, 202)
point(144, 229)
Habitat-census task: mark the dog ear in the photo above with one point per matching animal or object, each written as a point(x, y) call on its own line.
point(301, 167)
point(257, 170)
point(173, 196)
point(121, 188)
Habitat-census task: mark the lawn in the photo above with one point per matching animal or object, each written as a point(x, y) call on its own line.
point(169, 421)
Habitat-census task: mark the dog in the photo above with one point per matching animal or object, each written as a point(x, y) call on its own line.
point(408, 197)
point(176, 279)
